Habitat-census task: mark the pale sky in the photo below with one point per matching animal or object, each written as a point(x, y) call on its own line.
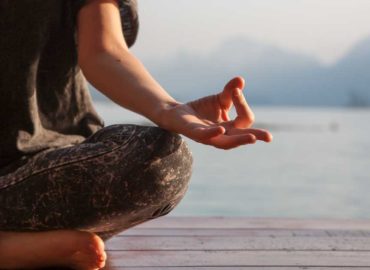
point(325, 29)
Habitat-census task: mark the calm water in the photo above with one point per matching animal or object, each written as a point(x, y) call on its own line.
point(317, 166)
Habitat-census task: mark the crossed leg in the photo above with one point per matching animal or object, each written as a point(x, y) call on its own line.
point(73, 198)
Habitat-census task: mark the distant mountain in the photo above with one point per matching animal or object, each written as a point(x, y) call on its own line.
point(274, 76)
point(351, 75)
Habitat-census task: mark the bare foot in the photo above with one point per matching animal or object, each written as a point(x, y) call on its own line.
point(66, 248)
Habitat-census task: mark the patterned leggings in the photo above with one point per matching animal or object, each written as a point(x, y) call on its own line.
point(119, 177)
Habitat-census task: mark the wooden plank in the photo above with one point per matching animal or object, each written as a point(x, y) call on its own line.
point(260, 223)
point(242, 243)
point(182, 243)
point(238, 258)
point(243, 232)
point(238, 268)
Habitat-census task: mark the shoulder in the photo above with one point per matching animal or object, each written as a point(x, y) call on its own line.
point(126, 11)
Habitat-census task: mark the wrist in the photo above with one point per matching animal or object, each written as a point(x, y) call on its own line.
point(164, 114)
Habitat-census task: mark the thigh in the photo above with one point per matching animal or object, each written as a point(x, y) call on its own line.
point(123, 173)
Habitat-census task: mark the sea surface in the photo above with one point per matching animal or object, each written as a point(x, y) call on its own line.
point(318, 166)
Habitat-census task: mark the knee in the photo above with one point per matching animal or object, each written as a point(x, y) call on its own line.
point(166, 174)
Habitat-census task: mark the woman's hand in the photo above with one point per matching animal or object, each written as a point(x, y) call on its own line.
point(108, 65)
point(206, 120)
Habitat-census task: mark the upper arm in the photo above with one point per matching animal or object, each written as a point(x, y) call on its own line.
point(99, 28)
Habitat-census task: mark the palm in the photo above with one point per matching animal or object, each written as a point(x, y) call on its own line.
point(206, 119)
point(208, 109)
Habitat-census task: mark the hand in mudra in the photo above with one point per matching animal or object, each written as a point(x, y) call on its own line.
point(206, 120)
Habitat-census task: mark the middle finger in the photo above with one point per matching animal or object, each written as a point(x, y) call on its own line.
point(260, 134)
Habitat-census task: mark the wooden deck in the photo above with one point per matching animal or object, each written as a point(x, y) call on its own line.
point(174, 243)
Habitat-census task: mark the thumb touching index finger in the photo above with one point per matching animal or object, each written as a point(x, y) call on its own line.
point(245, 115)
point(225, 96)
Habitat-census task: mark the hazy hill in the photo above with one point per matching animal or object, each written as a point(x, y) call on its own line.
point(274, 76)
point(352, 74)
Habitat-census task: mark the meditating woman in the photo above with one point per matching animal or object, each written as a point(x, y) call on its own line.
point(67, 183)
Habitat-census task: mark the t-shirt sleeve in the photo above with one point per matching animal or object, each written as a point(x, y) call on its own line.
point(129, 18)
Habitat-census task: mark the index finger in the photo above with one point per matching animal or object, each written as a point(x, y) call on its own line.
point(225, 97)
point(245, 115)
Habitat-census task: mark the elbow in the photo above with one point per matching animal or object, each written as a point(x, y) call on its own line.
point(86, 66)
point(91, 58)
point(87, 56)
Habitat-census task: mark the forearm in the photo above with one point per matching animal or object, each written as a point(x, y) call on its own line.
point(122, 77)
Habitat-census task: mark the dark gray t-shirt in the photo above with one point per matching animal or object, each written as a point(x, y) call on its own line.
point(44, 100)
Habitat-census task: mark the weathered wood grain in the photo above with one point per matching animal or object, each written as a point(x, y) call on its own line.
point(169, 232)
point(239, 258)
point(259, 223)
point(182, 243)
point(242, 243)
point(239, 268)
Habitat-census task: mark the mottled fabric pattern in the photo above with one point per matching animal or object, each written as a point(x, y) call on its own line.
point(120, 176)
point(60, 168)
point(45, 102)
